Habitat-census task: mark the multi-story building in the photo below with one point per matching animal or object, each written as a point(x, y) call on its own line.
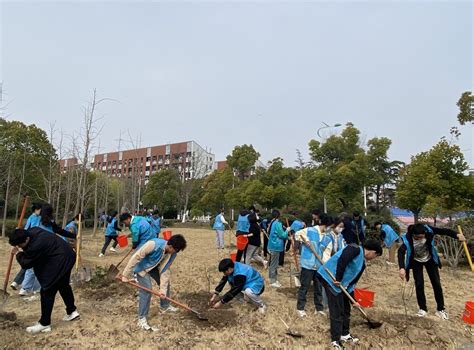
point(188, 158)
point(68, 163)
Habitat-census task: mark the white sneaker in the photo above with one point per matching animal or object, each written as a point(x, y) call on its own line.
point(38, 328)
point(101, 255)
point(421, 313)
point(301, 313)
point(320, 313)
point(14, 285)
point(262, 309)
point(24, 292)
point(112, 249)
point(72, 316)
point(336, 345)
point(170, 308)
point(442, 315)
point(276, 285)
point(349, 339)
point(143, 324)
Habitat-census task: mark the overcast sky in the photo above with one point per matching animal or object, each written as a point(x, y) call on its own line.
point(228, 73)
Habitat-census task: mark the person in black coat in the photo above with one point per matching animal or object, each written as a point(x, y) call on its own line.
point(52, 260)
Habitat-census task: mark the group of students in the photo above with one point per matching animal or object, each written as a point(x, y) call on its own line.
point(337, 245)
point(326, 244)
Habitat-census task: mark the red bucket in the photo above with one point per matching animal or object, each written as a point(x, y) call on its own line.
point(364, 297)
point(233, 256)
point(167, 235)
point(241, 242)
point(468, 314)
point(122, 241)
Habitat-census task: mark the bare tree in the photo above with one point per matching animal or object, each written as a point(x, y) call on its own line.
point(7, 196)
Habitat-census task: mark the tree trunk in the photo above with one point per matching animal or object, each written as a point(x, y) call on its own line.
point(377, 198)
point(7, 194)
point(415, 215)
point(22, 180)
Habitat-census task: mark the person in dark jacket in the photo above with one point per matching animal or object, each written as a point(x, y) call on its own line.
point(255, 241)
point(418, 250)
point(347, 267)
point(111, 233)
point(359, 224)
point(52, 260)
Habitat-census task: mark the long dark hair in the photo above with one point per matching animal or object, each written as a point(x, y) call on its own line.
point(46, 214)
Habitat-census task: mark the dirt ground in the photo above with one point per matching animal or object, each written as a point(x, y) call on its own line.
point(108, 310)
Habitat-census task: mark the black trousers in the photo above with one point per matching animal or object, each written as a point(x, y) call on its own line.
point(47, 298)
point(339, 312)
point(108, 239)
point(433, 273)
point(265, 246)
point(240, 254)
point(306, 277)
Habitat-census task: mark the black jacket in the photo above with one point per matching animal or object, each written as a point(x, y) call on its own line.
point(49, 255)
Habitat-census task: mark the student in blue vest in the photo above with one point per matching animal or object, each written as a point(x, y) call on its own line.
point(152, 261)
point(219, 227)
point(111, 233)
point(33, 221)
point(155, 222)
point(347, 266)
point(418, 250)
point(390, 240)
point(334, 233)
point(315, 236)
point(139, 227)
point(73, 228)
point(276, 246)
point(243, 229)
point(359, 224)
point(242, 279)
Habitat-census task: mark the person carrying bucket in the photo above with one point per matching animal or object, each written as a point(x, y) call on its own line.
point(389, 238)
point(417, 250)
point(139, 227)
point(243, 230)
point(152, 261)
point(254, 242)
point(314, 236)
point(111, 233)
point(219, 227)
point(155, 222)
point(242, 279)
point(276, 245)
point(347, 267)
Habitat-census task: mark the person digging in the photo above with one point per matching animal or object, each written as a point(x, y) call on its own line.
point(347, 266)
point(52, 260)
point(242, 279)
point(153, 260)
point(418, 250)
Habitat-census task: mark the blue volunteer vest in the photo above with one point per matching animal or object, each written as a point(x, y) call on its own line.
point(141, 231)
point(390, 235)
point(275, 243)
point(218, 225)
point(243, 224)
point(33, 221)
point(409, 252)
point(351, 272)
point(297, 225)
point(362, 225)
point(154, 257)
point(155, 225)
point(308, 260)
point(49, 228)
point(254, 280)
point(110, 230)
point(72, 225)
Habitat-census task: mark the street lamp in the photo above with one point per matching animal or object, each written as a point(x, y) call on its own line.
point(327, 126)
point(317, 132)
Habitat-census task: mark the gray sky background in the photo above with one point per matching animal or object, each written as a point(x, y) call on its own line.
point(228, 73)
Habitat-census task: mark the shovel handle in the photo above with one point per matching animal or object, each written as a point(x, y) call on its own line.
point(23, 211)
point(136, 285)
point(125, 257)
point(466, 250)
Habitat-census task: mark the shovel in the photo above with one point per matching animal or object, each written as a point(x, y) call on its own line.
point(371, 323)
point(5, 294)
point(177, 303)
point(113, 270)
point(289, 331)
point(83, 274)
point(295, 274)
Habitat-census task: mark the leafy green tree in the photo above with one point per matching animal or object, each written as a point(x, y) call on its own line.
point(242, 160)
point(215, 187)
point(163, 191)
point(466, 108)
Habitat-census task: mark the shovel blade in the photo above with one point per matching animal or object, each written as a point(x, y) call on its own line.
point(294, 334)
point(374, 324)
point(112, 272)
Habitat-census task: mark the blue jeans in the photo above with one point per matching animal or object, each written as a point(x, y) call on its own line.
point(20, 276)
point(145, 297)
point(30, 282)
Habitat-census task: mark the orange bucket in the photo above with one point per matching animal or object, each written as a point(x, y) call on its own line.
point(364, 297)
point(233, 256)
point(167, 235)
point(468, 314)
point(122, 241)
point(241, 242)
